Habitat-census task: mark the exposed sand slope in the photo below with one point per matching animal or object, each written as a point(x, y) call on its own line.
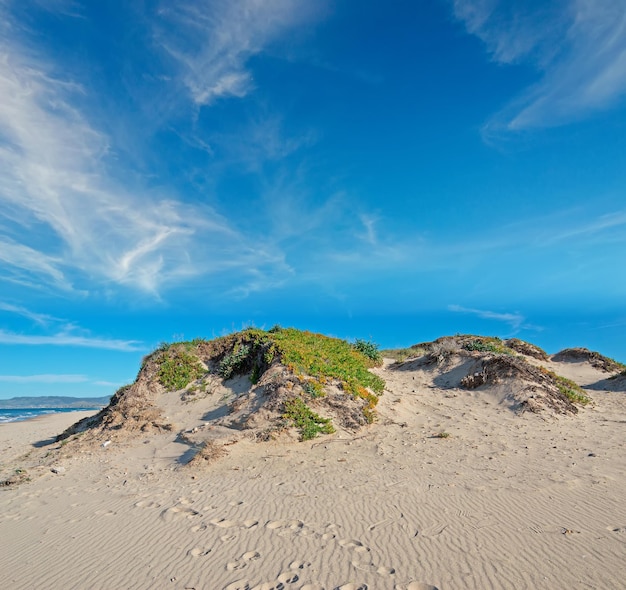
point(507, 501)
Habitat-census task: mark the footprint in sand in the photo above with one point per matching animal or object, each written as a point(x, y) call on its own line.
point(368, 566)
point(312, 587)
point(147, 504)
point(279, 584)
point(331, 532)
point(298, 565)
point(198, 552)
point(178, 511)
point(287, 578)
point(362, 559)
point(230, 524)
point(353, 544)
point(385, 571)
point(433, 530)
point(198, 527)
point(287, 527)
point(104, 513)
point(351, 586)
point(242, 562)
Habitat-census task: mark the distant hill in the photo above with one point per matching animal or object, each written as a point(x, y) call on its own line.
point(53, 401)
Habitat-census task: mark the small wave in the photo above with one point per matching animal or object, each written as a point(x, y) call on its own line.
point(18, 415)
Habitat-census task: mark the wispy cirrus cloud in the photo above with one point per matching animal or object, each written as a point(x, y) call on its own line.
point(59, 332)
point(65, 338)
point(39, 318)
point(260, 140)
point(69, 221)
point(212, 40)
point(515, 320)
point(45, 378)
point(578, 46)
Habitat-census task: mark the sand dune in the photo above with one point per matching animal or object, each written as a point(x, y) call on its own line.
point(508, 500)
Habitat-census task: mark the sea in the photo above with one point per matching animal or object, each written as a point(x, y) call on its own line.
point(21, 414)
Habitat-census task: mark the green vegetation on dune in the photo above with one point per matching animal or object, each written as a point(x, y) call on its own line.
point(178, 368)
point(568, 388)
point(316, 360)
point(487, 344)
point(369, 349)
point(451, 344)
point(470, 343)
point(305, 420)
point(323, 357)
point(402, 354)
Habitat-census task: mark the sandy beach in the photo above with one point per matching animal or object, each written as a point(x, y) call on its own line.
point(505, 501)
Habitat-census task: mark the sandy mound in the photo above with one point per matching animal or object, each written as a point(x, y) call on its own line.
point(254, 384)
point(526, 348)
point(469, 342)
point(613, 383)
point(492, 366)
point(595, 359)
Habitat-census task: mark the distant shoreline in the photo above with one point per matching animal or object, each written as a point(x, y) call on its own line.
point(13, 415)
point(53, 402)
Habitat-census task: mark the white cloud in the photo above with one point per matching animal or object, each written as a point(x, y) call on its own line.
point(369, 223)
point(590, 230)
point(24, 261)
point(515, 320)
point(69, 339)
point(68, 222)
point(212, 40)
point(43, 378)
point(39, 318)
point(64, 333)
point(259, 141)
point(578, 46)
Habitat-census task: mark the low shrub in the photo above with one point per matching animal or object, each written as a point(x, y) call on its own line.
point(178, 368)
point(233, 361)
point(369, 349)
point(305, 420)
point(494, 345)
point(572, 391)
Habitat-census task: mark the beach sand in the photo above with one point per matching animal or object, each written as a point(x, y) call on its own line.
point(506, 501)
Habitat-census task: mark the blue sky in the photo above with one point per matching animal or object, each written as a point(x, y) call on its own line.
point(388, 170)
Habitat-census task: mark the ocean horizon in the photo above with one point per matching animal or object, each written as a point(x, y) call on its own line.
point(21, 414)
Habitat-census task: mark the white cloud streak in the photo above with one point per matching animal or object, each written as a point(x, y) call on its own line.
point(515, 320)
point(39, 318)
point(212, 40)
point(68, 339)
point(43, 378)
point(578, 46)
point(68, 220)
